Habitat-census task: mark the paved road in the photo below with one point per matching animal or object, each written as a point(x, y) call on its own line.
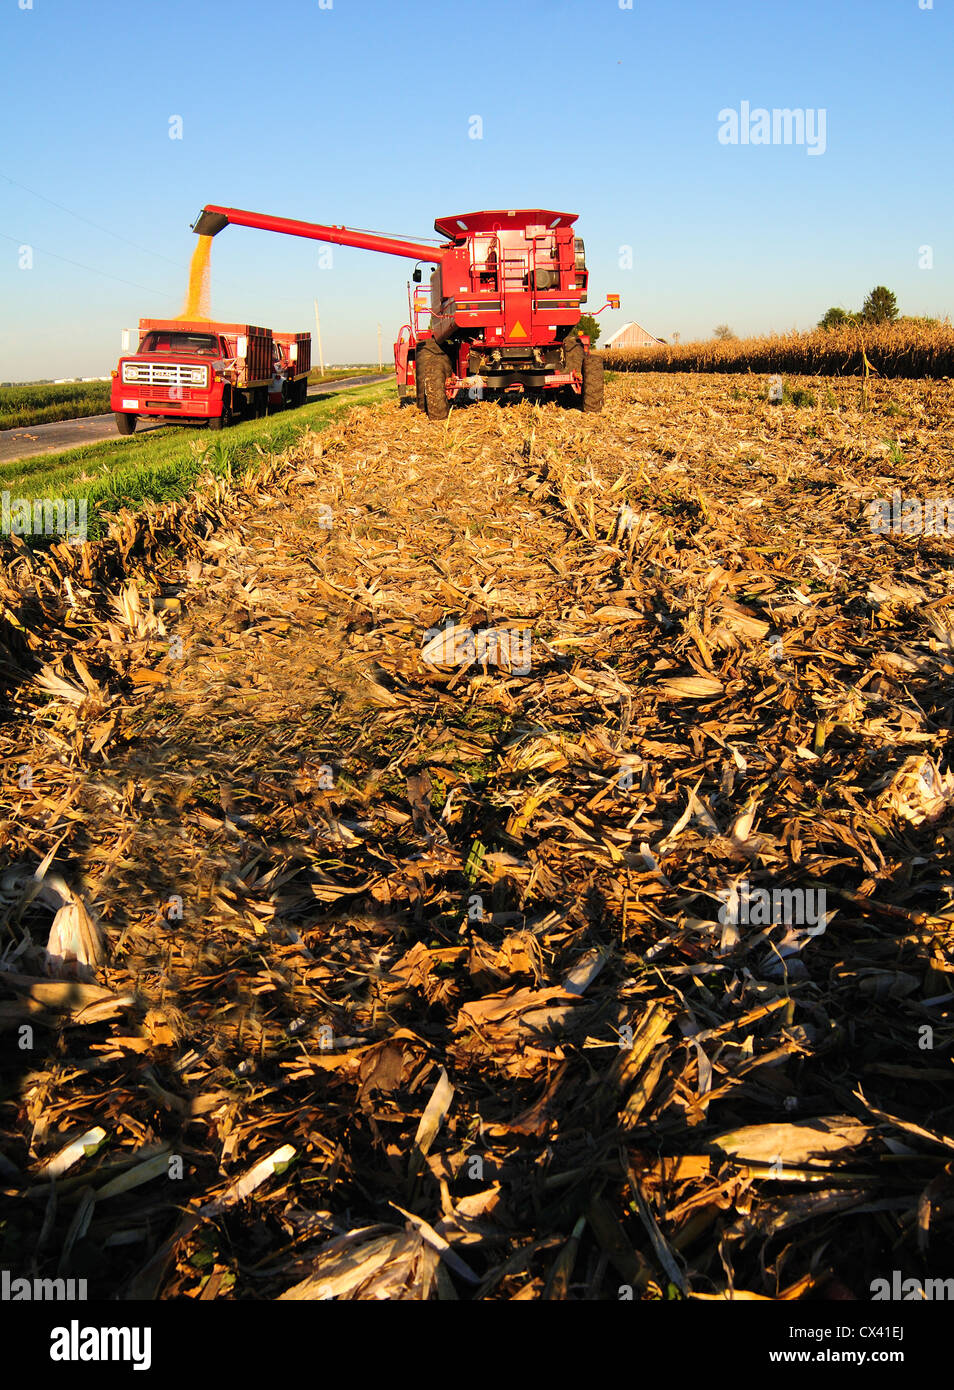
point(32, 440)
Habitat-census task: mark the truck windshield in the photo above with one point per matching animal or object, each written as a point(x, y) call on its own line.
point(194, 344)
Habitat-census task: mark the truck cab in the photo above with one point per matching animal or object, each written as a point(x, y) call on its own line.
point(193, 370)
point(175, 342)
point(175, 372)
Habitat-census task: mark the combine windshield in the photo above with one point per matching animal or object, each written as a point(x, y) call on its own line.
point(192, 344)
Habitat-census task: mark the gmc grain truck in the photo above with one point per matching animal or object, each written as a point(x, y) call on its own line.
point(201, 370)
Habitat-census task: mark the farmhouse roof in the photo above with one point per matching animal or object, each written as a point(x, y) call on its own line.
point(634, 332)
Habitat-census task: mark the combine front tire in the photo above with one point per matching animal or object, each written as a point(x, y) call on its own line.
point(126, 424)
point(592, 384)
point(573, 356)
point(434, 369)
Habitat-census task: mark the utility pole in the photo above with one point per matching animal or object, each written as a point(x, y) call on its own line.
point(380, 359)
point(321, 360)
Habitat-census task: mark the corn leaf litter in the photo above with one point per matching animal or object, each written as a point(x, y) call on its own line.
point(395, 890)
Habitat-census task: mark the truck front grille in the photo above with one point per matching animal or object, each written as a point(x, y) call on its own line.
point(172, 374)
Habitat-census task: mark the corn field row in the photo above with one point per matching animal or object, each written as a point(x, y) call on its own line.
point(889, 350)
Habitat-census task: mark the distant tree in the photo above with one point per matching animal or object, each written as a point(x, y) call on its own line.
point(590, 327)
point(880, 307)
point(676, 336)
point(723, 332)
point(836, 317)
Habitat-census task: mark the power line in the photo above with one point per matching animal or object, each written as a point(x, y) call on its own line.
point(400, 236)
point(17, 241)
point(89, 221)
point(81, 217)
point(180, 265)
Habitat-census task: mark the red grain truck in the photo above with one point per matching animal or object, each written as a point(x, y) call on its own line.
point(202, 370)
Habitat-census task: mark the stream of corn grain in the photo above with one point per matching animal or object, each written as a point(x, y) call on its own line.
point(197, 295)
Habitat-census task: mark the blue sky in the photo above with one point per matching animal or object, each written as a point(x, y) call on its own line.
point(360, 112)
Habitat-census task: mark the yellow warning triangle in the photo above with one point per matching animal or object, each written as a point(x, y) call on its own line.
point(518, 330)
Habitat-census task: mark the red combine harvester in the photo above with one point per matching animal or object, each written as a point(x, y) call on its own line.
point(504, 302)
point(199, 370)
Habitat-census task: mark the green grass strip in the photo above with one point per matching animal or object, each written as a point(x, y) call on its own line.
point(165, 464)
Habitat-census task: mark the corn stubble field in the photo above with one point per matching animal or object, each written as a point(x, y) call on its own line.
point(417, 974)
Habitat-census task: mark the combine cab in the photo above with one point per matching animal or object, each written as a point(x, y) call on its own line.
point(499, 318)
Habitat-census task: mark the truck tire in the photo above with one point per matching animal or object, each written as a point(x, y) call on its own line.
point(592, 384)
point(419, 386)
point(126, 424)
point(434, 369)
point(221, 422)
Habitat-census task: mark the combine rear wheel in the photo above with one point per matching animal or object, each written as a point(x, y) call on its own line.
point(592, 384)
point(126, 424)
point(433, 371)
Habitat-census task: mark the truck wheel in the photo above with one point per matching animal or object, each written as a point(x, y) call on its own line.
point(303, 391)
point(433, 370)
point(592, 384)
point(126, 424)
point(419, 385)
point(221, 422)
